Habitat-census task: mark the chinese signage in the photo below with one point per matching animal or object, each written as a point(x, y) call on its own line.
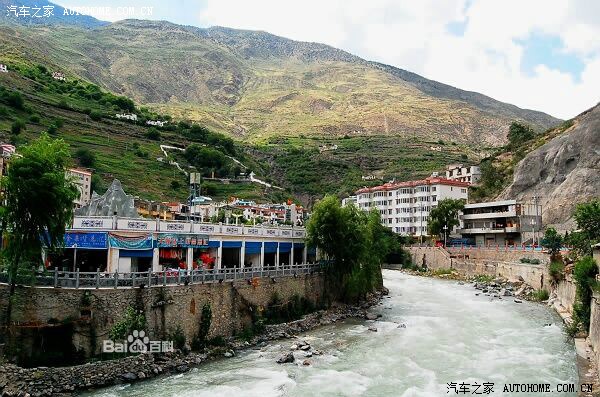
point(182, 240)
point(86, 240)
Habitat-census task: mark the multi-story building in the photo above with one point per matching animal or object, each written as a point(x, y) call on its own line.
point(458, 172)
point(349, 200)
point(506, 222)
point(405, 206)
point(83, 180)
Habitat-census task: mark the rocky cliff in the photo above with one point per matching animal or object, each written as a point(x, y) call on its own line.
point(563, 172)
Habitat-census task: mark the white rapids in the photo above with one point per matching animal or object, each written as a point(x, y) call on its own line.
point(431, 333)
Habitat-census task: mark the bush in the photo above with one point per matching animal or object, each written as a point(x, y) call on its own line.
point(153, 134)
point(540, 295)
point(557, 271)
point(141, 153)
point(530, 261)
point(584, 275)
point(204, 328)
point(17, 126)
point(15, 100)
point(178, 338)
point(52, 129)
point(34, 118)
point(96, 115)
point(175, 185)
point(86, 157)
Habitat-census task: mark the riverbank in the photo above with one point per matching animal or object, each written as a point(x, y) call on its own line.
point(46, 381)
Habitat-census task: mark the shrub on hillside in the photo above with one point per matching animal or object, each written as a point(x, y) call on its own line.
point(17, 126)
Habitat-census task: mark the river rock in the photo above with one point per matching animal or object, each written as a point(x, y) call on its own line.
point(286, 358)
point(305, 347)
point(518, 301)
point(306, 362)
point(372, 329)
point(308, 354)
point(371, 316)
point(228, 354)
point(129, 376)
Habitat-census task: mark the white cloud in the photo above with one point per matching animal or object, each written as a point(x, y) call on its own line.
point(413, 35)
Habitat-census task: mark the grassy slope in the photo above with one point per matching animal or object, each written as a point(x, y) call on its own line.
point(112, 141)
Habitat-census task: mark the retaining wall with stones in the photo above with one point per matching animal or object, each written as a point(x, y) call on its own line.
point(93, 312)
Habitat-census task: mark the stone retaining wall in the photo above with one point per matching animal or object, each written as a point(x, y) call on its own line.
point(500, 254)
point(93, 312)
point(436, 258)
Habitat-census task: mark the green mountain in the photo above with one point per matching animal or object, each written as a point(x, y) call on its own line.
point(280, 99)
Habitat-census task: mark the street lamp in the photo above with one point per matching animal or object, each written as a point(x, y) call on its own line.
point(74, 257)
point(533, 229)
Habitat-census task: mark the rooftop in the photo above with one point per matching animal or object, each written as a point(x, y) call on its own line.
point(432, 180)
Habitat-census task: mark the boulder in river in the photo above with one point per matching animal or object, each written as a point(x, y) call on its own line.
point(372, 329)
point(371, 316)
point(286, 358)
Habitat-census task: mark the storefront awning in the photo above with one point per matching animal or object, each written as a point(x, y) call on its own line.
point(253, 247)
point(270, 248)
point(123, 253)
point(232, 244)
point(285, 247)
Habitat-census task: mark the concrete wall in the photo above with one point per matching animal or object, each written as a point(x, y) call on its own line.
point(492, 264)
point(500, 254)
point(565, 295)
point(165, 307)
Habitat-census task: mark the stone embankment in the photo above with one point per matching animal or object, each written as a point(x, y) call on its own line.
point(47, 381)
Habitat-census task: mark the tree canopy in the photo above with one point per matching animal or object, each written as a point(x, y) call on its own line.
point(518, 133)
point(444, 214)
point(39, 199)
point(552, 241)
point(587, 217)
point(355, 244)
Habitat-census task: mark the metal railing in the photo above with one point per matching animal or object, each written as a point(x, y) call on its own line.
point(77, 279)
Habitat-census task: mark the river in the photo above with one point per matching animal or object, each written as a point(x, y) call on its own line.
point(431, 333)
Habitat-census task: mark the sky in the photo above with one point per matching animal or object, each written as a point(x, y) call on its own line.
point(536, 54)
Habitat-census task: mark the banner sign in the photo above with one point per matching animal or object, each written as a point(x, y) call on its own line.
point(137, 242)
point(166, 240)
point(93, 240)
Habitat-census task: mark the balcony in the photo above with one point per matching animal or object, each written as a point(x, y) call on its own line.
point(490, 215)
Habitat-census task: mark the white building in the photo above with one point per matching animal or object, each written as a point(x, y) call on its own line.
point(405, 206)
point(458, 172)
point(505, 222)
point(3, 68)
point(130, 116)
point(83, 180)
point(349, 200)
point(156, 123)
point(58, 76)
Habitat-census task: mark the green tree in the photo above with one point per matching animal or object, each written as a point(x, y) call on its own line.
point(355, 244)
point(444, 214)
point(587, 217)
point(86, 157)
point(552, 241)
point(584, 275)
point(518, 133)
point(39, 205)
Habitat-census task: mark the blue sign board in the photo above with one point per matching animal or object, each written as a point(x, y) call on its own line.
point(95, 240)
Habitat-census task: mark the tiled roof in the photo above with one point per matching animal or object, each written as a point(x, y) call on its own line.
point(432, 180)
